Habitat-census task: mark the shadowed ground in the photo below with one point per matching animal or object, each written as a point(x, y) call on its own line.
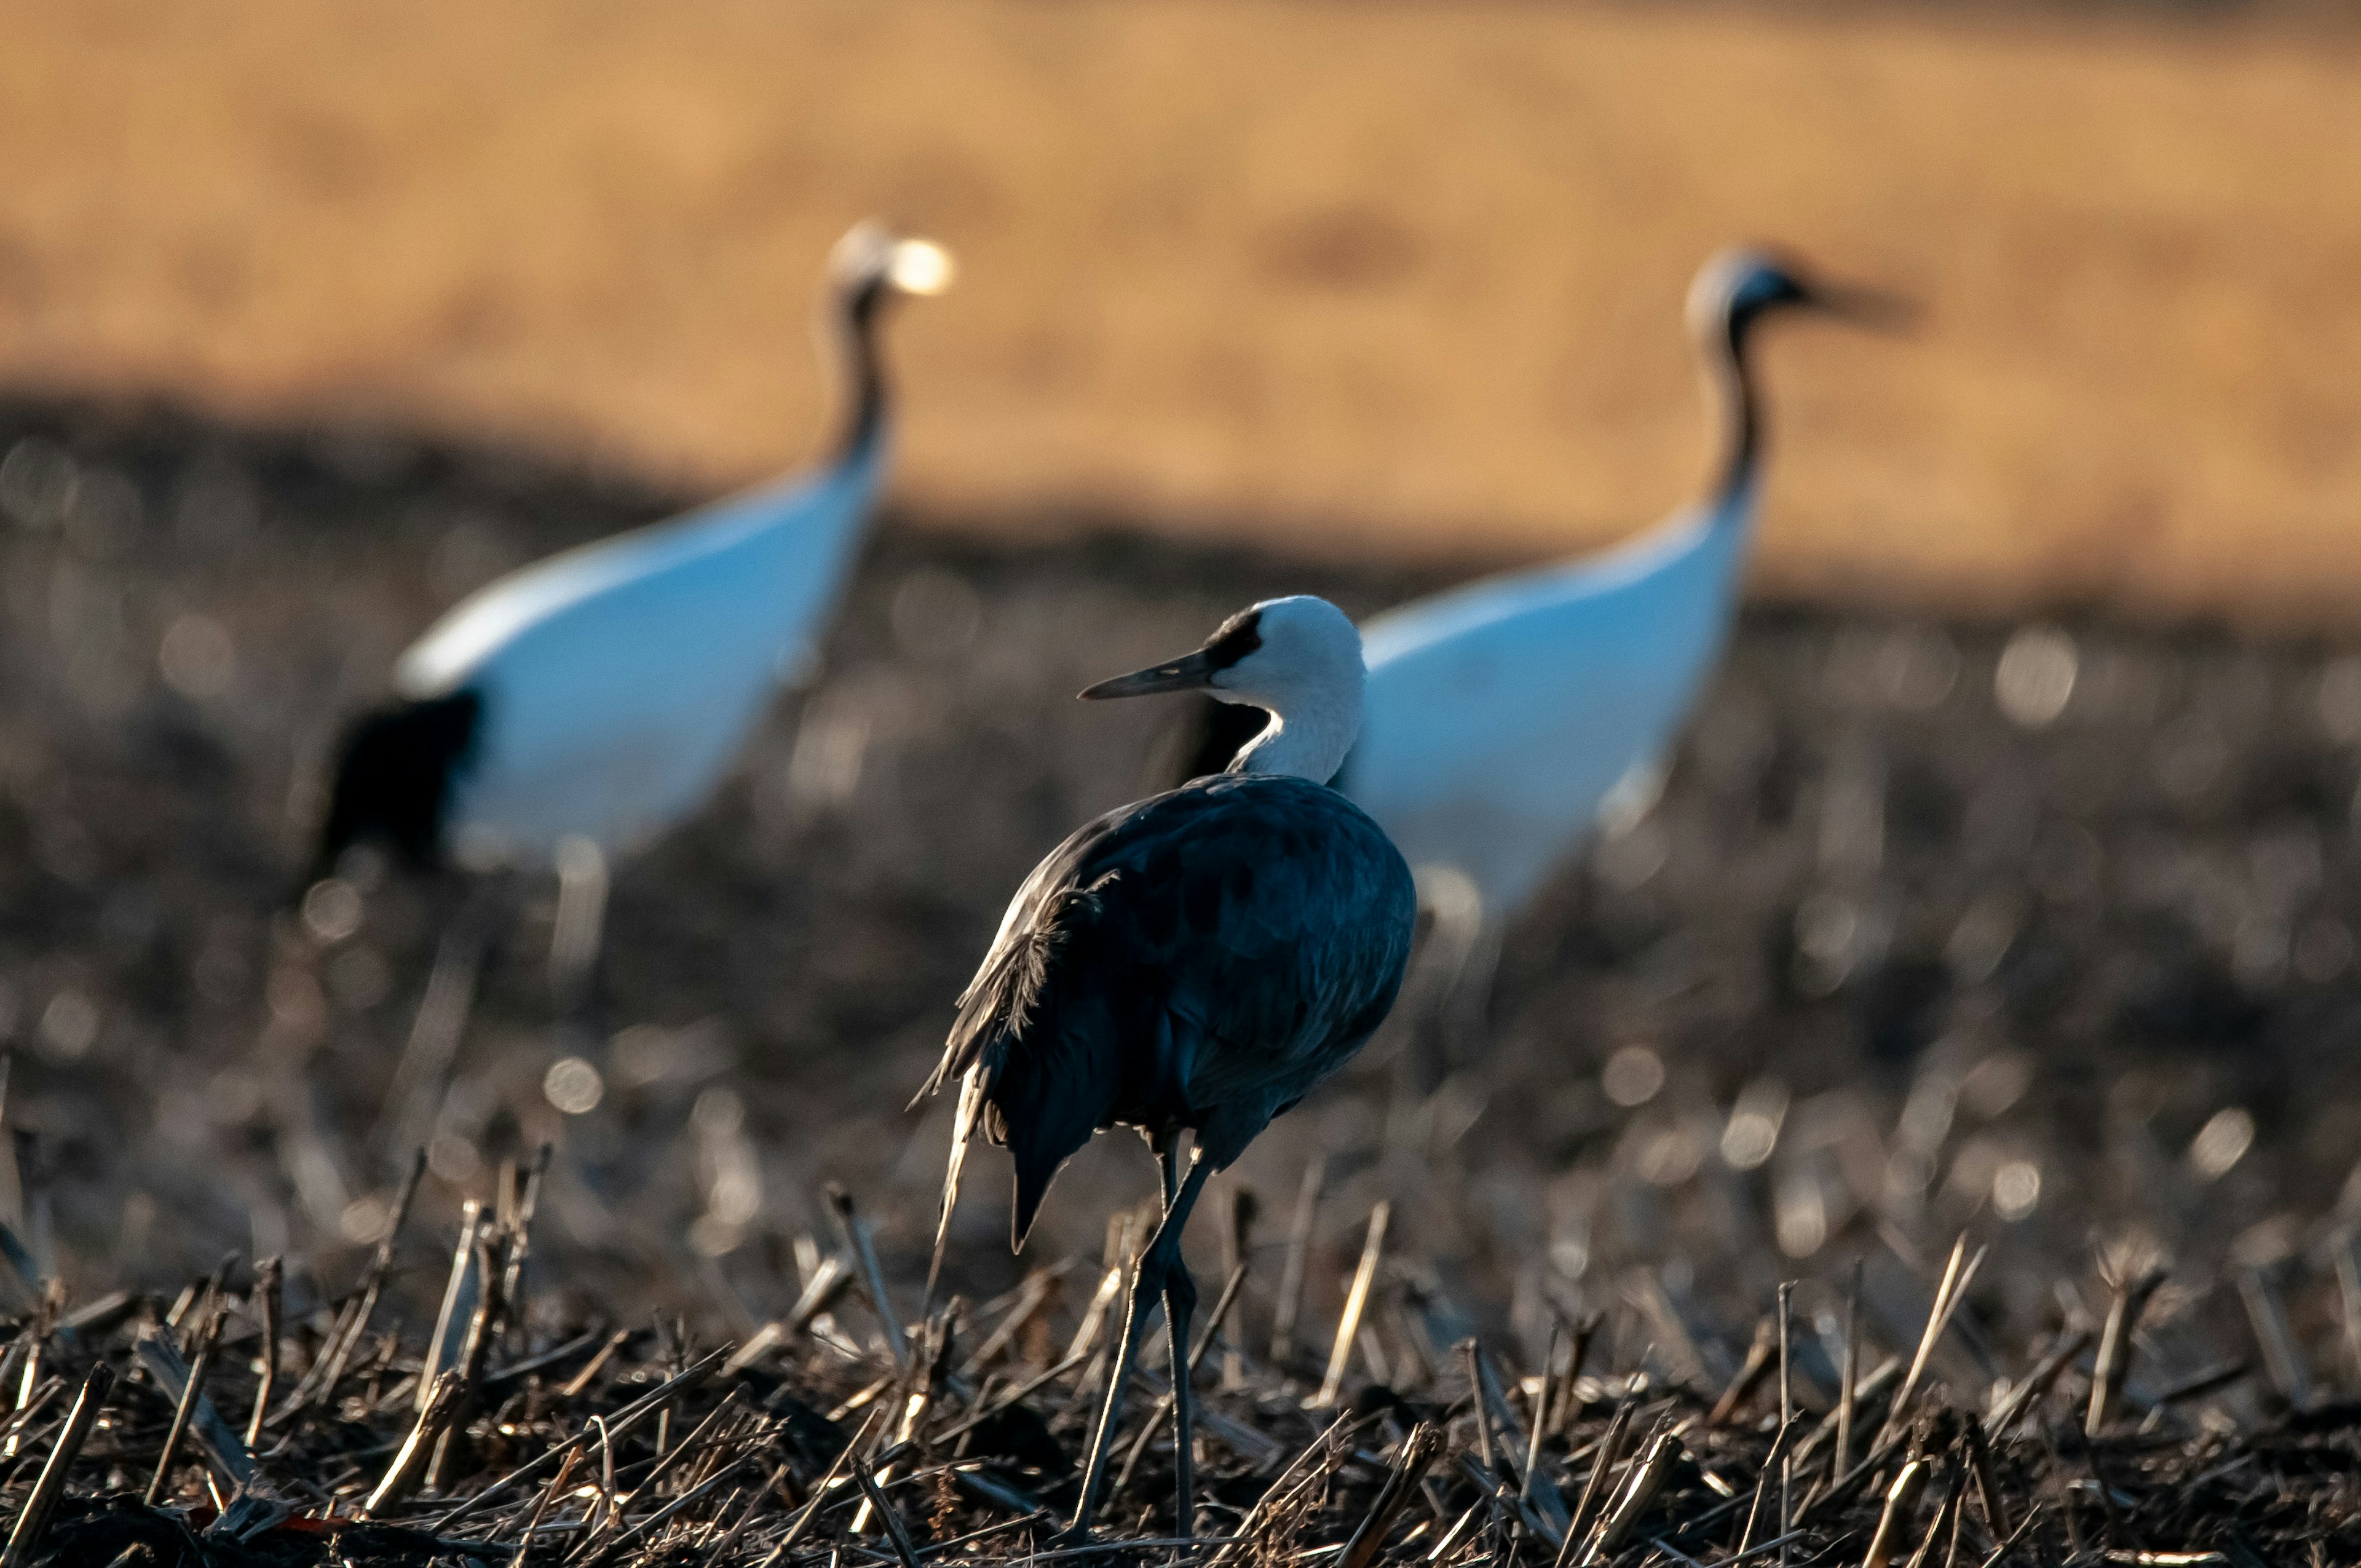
point(2045, 933)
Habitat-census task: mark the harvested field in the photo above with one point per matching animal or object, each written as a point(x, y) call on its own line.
point(647, 1449)
point(2041, 936)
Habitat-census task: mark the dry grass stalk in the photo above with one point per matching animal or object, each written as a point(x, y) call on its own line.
point(2025, 1395)
point(1417, 1456)
point(1238, 1217)
point(2115, 1346)
point(1032, 1295)
point(1774, 1464)
point(895, 1530)
point(1610, 1449)
point(267, 1290)
point(1948, 1296)
point(1946, 1513)
point(1847, 1376)
point(1543, 1398)
point(174, 1377)
point(1637, 1495)
point(1307, 1469)
point(1988, 1492)
point(859, 1241)
point(619, 1424)
point(1349, 1327)
point(549, 1494)
point(820, 1498)
point(192, 1388)
point(34, 1517)
point(320, 1384)
point(1750, 1373)
point(1095, 1316)
point(1290, 1275)
point(1786, 1405)
point(594, 1365)
point(441, 1398)
point(1494, 1410)
point(1584, 1331)
point(517, 1222)
point(1901, 1499)
point(2281, 1356)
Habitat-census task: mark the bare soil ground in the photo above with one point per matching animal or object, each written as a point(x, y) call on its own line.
point(2038, 936)
point(2041, 935)
point(1392, 283)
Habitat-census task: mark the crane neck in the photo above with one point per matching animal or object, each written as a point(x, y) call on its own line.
point(868, 397)
point(1737, 415)
point(1308, 735)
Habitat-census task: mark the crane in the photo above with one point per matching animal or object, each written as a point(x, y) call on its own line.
point(1191, 964)
point(582, 705)
point(1502, 713)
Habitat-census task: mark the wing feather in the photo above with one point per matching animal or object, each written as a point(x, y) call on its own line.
point(1206, 955)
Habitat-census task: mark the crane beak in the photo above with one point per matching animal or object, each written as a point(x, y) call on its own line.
point(1192, 672)
point(1876, 308)
point(920, 267)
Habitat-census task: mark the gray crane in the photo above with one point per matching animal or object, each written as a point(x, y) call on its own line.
point(1196, 962)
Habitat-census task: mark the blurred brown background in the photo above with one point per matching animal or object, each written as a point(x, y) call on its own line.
point(1392, 281)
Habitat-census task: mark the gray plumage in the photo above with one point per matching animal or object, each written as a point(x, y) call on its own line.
point(1191, 966)
point(1198, 960)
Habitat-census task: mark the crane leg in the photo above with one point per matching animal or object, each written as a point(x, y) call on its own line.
point(1453, 975)
point(576, 939)
point(1463, 1012)
point(1179, 1305)
point(1157, 1267)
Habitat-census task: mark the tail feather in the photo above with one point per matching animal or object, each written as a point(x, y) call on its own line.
point(970, 1107)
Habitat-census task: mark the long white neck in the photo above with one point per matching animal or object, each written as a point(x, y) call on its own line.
point(1308, 737)
point(1737, 415)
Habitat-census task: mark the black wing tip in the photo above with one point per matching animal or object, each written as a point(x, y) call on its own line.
point(395, 765)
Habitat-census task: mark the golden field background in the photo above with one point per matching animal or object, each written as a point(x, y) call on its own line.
point(1327, 275)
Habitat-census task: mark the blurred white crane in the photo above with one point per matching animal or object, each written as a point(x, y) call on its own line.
point(585, 704)
point(1500, 715)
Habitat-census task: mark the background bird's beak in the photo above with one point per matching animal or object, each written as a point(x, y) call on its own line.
point(1878, 309)
point(920, 267)
point(1192, 671)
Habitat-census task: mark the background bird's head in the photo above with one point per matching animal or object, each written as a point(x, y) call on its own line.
point(871, 266)
point(1741, 286)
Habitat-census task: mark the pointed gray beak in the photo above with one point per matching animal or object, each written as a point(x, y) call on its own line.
point(1190, 672)
point(1876, 308)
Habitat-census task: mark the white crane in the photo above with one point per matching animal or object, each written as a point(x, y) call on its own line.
point(582, 705)
point(1501, 714)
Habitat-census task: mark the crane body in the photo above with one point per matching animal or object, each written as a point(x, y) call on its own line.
point(1502, 713)
point(1192, 965)
point(598, 698)
point(618, 682)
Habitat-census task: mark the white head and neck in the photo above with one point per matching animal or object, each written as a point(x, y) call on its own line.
point(868, 270)
point(1734, 292)
point(1298, 659)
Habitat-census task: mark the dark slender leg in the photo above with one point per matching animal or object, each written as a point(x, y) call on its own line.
point(1451, 981)
point(1179, 1305)
point(1156, 1266)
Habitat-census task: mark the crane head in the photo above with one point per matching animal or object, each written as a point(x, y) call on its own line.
point(1298, 659)
point(871, 264)
point(1739, 287)
point(1263, 655)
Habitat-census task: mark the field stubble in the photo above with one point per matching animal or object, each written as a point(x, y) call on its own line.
point(2044, 935)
